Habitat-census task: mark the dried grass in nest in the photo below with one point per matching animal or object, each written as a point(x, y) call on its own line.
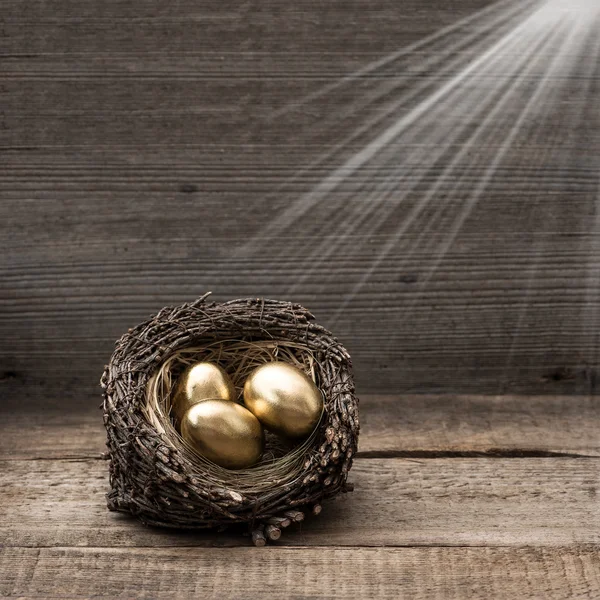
point(157, 477)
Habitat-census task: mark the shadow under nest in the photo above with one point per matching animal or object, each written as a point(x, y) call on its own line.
point(156, 477)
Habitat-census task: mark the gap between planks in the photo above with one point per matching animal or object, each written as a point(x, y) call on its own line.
point(392, 426)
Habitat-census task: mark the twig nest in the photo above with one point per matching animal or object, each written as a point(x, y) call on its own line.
point(156, 474)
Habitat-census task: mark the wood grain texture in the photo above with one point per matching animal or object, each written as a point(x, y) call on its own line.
point(146, 152)
point(140, 157)
point(274, 26)
point(419, 573)
point(396, 502)
point(492, 425)
point(417, 426)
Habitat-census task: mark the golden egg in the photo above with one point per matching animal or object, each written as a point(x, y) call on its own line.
point(200, 382)
point(224, 432)
point(284, 399)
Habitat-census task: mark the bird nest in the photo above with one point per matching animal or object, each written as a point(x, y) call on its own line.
point(155, 476)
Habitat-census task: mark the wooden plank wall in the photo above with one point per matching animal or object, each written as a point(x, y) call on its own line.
point(144, 155)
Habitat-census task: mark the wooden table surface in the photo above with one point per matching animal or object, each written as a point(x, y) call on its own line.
point(151, 151)
point(455, 497)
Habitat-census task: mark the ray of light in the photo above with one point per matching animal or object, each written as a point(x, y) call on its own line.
point(408, 70)
point(534, 100)
point(442, 70)
point(552, 12)
point(445, 136)
point(365, 192)
point(491, 118)
point(441, 140)
point(388, 59)
point(330, 183)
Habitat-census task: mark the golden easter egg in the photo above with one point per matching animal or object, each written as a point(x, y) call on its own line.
point(284, 399)
point(224, 432)
point(200, 382)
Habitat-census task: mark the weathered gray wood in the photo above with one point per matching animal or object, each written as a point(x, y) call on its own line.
point(139, 157)
point(143, 154)
point(419, 573)
point(411, 425)
point(274, 26)
point(501, 425)
point(43, 434)
point(396, 502)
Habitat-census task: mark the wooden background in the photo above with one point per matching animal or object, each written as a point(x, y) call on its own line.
point(139, 156)
point(143, 154)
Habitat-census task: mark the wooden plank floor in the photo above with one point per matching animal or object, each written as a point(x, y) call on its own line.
point(498, 502)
